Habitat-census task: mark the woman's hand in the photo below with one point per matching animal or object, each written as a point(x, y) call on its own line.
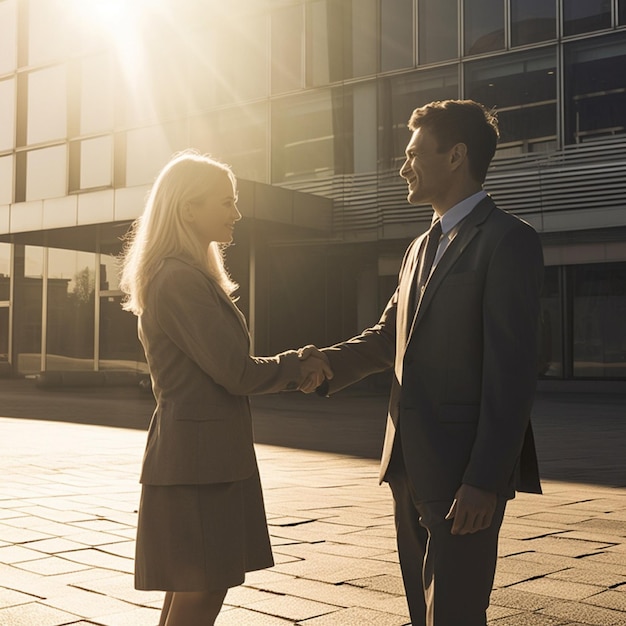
point(314, 368)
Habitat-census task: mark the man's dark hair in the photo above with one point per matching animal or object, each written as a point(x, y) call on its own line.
point(461, 121)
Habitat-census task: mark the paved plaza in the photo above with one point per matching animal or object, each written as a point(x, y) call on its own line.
point(68, 508)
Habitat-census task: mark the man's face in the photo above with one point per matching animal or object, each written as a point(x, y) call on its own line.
point(426, 170)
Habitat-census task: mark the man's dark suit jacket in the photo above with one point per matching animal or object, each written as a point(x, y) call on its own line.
point(465, 363)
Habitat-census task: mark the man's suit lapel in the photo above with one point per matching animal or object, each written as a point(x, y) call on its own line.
point(468, 230)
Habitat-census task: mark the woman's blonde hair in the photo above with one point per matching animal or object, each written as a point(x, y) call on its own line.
point(162, 232)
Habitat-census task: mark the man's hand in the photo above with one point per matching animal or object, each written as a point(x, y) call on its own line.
point(472, 510)
point(314, 368)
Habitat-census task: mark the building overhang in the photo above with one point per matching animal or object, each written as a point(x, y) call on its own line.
point(98, 220)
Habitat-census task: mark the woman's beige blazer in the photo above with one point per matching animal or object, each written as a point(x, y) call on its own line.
point(198, 349)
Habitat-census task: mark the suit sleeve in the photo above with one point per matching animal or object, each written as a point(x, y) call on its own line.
point(190, 312)
point(509, 369)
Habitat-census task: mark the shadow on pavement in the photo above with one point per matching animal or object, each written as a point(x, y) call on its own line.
point(580, 437)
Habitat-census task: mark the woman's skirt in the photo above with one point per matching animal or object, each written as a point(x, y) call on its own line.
point(201, 537)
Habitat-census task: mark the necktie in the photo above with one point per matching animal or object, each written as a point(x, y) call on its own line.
point(429, 250)
point(428, 255)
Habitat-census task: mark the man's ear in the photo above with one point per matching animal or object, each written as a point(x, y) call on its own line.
point(458, 155)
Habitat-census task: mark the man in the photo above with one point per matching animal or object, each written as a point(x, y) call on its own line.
point(462, 339)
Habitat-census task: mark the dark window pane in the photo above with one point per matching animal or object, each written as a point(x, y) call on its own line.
point(595, 93)
point(522, 88)
point(550, 330)
point(287, 33)
point(532, 21)
point(324, 42)
point(71, 310)
point(484, 25)
point(396, 28)
point(361, 55)
point(598, 318)
point(438, 30)
point(622, 11)
point(583, 16)
point(399, 96)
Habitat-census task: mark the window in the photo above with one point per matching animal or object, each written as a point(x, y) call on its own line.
point(361, 56)
point(71, 310)
point(483, 25)
point(622, 11)
point(96, 95)
point(91, 163)
point(399, 96)
point(583, 16)
point(8, 36)
point(324, 42)
point(7, 114)
point(303, 137)
point(49, 32)
point(6, 179)
point(532, 21)
point(396, 34)
point(522, 88)
point(287, 51)
point(599, 310)
point(550, 327)
point(47, 105)
point(28, 293)
point(46, 173)
point(237, 136)
point(595, 93)
point(438, 31)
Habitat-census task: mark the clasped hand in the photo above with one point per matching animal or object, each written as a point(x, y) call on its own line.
point(314, 368)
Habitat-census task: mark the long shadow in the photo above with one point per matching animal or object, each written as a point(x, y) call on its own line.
point(580, 437)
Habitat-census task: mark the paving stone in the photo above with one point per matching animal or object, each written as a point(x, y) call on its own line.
point(50, 566)
point(35, 614)
point(526, 619)
point(134, 617)
point(237, 617)
point(356, 617)
point(120, 586)
point(584, 613)
point(10, 597)
point(556, 544)
point(17, 554)
point(86, 604)
point(384, 583)
point(514, 598)
point(555, 588)
point(610, 599)
point(595, 576)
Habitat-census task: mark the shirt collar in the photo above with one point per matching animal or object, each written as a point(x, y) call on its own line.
point(459, 211)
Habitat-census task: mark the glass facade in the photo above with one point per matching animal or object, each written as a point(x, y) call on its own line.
point(312, 95)
point(598, 314)
point(532, 21)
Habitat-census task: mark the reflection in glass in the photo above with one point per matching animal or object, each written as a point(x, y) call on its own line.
point(483, 25)
point(303, 137)
point(120, 348)
point(46, 173)
point(47, 105)
point(324, 42)
point(438, 30)
point(400, 95)
point(583, 16)
point(396, 26)
point(28, 301)
point(7, 114)
point(532, 21)
point(595, 92)
point(599, 293)
point(5, 268)
point(287, 51)
point(71, 310)
point(522, 87)
point(550, 329)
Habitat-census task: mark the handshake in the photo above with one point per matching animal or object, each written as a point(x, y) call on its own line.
point(314, 368)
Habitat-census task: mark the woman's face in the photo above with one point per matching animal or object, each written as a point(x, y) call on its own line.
point(213, 217)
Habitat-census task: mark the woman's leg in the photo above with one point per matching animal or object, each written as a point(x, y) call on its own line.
point(195, 608)
point(166, 608)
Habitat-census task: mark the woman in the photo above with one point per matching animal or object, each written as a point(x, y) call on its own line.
point(201, 520)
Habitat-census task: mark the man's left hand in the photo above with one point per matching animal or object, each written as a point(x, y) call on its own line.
point(472, 510)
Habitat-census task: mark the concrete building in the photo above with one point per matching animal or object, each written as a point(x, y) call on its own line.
point(308, 101)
